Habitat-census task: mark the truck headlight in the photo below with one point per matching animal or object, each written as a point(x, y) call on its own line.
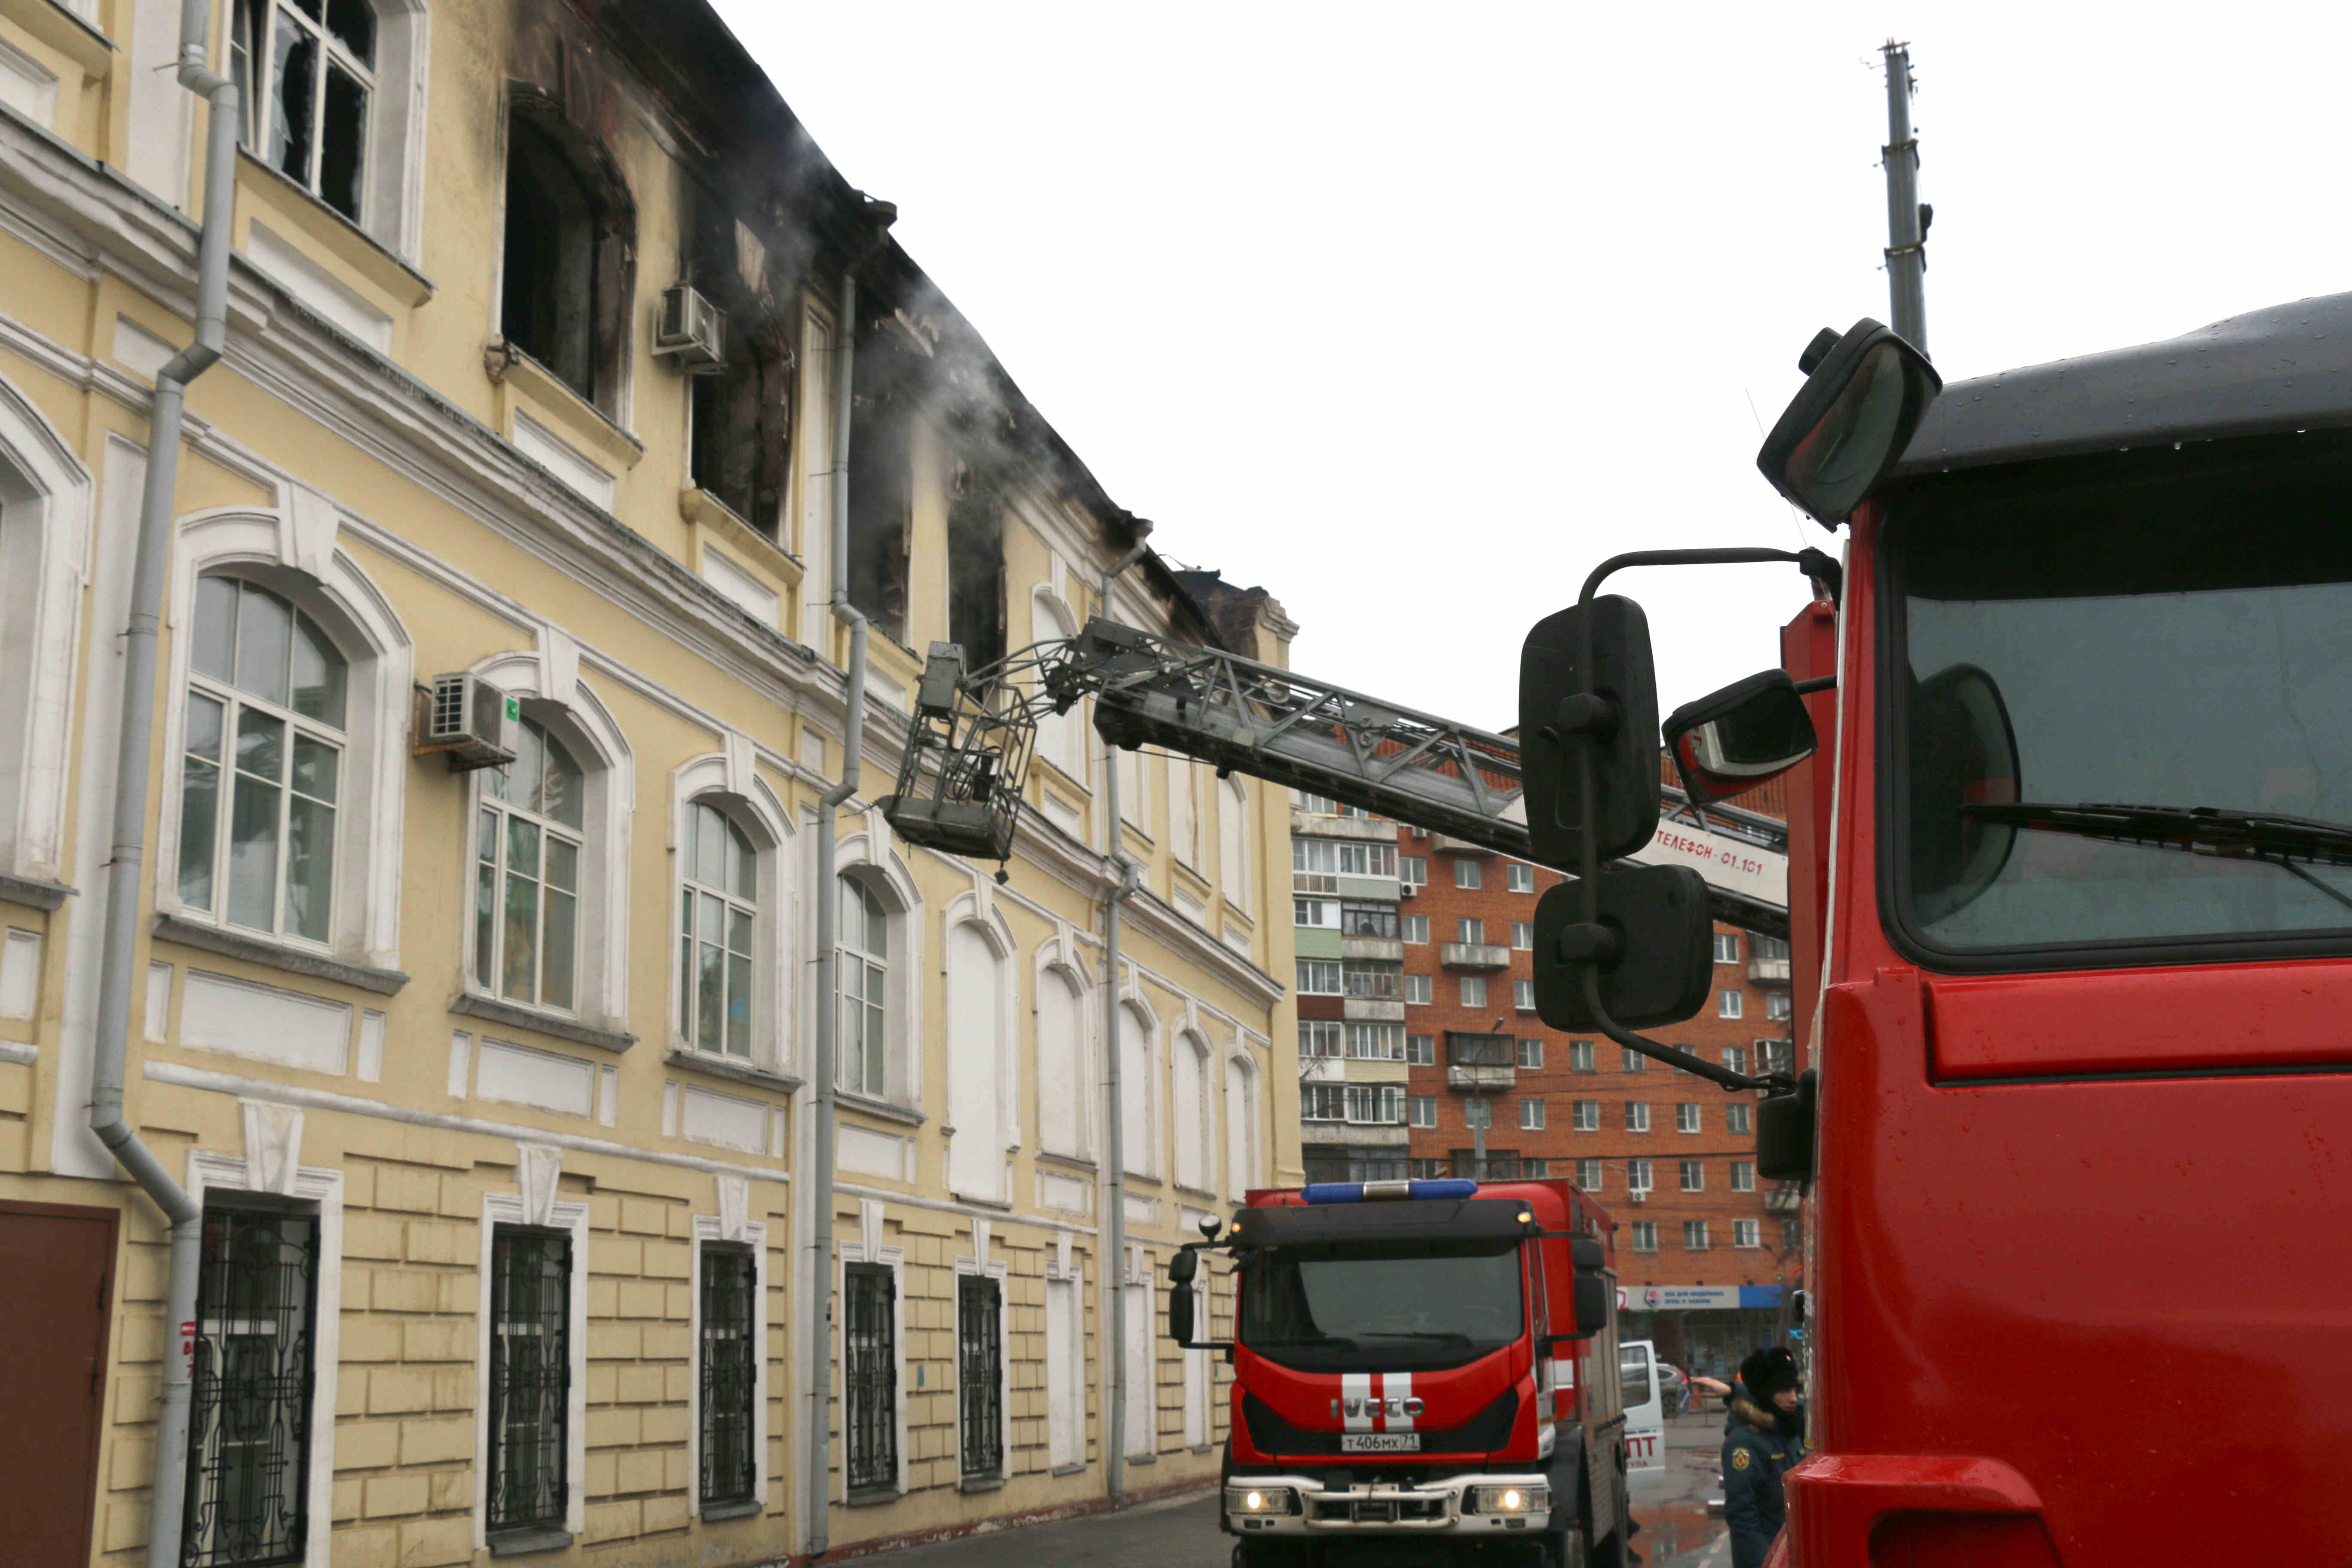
point(1510, 1499)
point(1261, 1501)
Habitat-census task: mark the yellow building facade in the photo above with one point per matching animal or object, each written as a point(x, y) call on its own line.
point(492, 1081)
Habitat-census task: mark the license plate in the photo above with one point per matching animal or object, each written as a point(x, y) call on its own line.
point(1379, 1442)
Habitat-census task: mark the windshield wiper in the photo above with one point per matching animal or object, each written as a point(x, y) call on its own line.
point(2200, 830)
point(1441, 1336)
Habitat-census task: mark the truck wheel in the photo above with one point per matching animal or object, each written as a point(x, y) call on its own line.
point(1565, 1550)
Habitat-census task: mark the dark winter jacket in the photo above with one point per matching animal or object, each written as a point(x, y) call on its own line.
point(1757, 1454)
point(1792, 1423)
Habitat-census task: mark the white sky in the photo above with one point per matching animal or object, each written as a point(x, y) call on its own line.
point(1413, 313)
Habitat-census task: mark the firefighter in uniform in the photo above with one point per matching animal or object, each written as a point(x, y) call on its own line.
point(1766, 1437)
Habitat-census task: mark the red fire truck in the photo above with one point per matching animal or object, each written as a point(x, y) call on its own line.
point(2071, 905)
point(1424, 1373)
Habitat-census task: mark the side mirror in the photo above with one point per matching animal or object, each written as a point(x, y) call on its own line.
point(1592, 1305)
point(1863, 397)
point(1184, 1267)
point(1654, 945)
point(1180, 1314)
point(1623, 717)
point(1733, 739)
point(1784, 1132)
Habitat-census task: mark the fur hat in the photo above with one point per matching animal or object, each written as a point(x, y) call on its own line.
point(1766, 1373)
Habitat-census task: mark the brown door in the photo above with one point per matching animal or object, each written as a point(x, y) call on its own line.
point(57, 1268)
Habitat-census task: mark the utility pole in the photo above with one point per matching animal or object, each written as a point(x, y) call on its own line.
point(1906, 219)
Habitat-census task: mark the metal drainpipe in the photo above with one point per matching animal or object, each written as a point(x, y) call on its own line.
point(151, 570)
point(1130, 877)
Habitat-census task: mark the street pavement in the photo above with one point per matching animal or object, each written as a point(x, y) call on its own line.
point(1676, 1532)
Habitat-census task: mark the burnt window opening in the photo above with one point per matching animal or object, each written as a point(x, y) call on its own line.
point(881, 484)
point(305, 71)
point(976, 569)
point(741, 408)
point(570, 272)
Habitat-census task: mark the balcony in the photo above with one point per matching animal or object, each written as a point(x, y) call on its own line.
point(1325, 883)
point(1480, 1077)
point(1371, 1010)
point(1379, 950)
point(1478, 955)
point(1769, 970)
point(1438, 844)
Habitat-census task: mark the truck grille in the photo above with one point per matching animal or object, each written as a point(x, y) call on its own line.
point(1484, 1433)
point(1378, 1510)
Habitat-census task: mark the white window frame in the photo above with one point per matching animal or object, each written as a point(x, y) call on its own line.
point(1727, 947)
point(1585, 1116)
point(1000, 1011)
point(1191, 1053)
point(565, 1214)
point(1531, 1115)
point(1412, 870)
point(1693, 1175)
point(1633, 1061)
point(1747, 1234)
point(1065, 1364)
point(1523, 936)
point(1314, 1033)
point(1470, 929)
point(1637, 1116)
point(1735, 1057)
point(1375, 1042)
point(1523, 995)
point(903, 907)
point(1639, 1176)
point(728, 781)
point(1729, 1003)
point(1418, 991)
point(1315, 914)
point(1738, 1121)
point(1580, 1056)
point(1689, 1117)
point(1244, 1138)
point(1233, 823)
point(734, 1231)
point(1420, 1050)
point(1473, 991)
point(1141, 1020)
point(1531, 1054)
point(1416, 930)
point(1697, 1227)
point(1466, 873)
point(1421, 1110)
point(1522, 877)
point(1061, 737)
point(1743, 1176)
point(1591, 1175)
point(1779, 1006)
point(1645, 1236)
point(44, 538)
point(1059, 963)
point(1310, 981)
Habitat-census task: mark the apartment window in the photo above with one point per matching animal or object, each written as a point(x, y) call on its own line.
point(1523, 995)
point(1738, 1120)
point(1315, 804)
point(1469, 929)
point(1726, 1004)
point(1376, 1104)
point(1580, 1056)
point(1743, 1176)
point(1687, 1117)
point(1417, 990)
point(1531, 1115)
point(1637, 1175)
point(1465, 871)
point(1367, 860)
point(1315, 857)
point(1780, 1056)
point(1428, 1169)
point(979, 1368)
point(1727, 947)
point(263, 759)
point(1478, 1113)
point(1590, 1175)
point(531, 1379)
point(1694, 1174)
point(1473, 991)
point(1635, 1061)
point(305, 81)
point(1420, 1050)
point(1421, 1110)
point(1416, 930)
point(1767, 948)
point(1320, 1037)
point(1522, 877)
point(1584, 1115)
point(571, 232)
point(1694, 1235)
point(1779, 1006)
point(1319, 977)
point(730, 1365)
point(1523, 936)
point(869, 1378)
point(1535, 1170)
point(527, 872)
point(1375, 981)
point(720, 911)
point(1747, 1233)
point(862, 967)
point(1793, 1233)
point(1375, 1042)
point(1319, 914)
point(1379, 920)
point(1500, 1165)
point(249, 1395)
point(1735, 1057)
point(1637, 1116)
point(1323, 1102)
point(1645, 1236)
point(1531, 1054)
point(1412, 870)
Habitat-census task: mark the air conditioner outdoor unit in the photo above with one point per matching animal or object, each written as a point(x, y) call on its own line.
point(692, 331)
point(469, 720)
point(1638, 1196)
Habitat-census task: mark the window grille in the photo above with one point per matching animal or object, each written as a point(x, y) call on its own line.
point(730, 1365)
point(869, 1381)
point(981, 1364)
point(531, 1379)
point(250, 1403)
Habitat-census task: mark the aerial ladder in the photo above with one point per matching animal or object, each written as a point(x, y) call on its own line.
point(960, 786)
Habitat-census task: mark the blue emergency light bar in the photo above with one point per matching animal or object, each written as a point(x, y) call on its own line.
point(1374, 1191)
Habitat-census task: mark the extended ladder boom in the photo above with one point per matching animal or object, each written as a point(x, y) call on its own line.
point(960, 786)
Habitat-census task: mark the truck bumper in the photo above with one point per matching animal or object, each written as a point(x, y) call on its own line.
point(1439, 1508)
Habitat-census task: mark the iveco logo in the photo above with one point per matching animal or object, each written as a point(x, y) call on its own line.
point(1355, 1405)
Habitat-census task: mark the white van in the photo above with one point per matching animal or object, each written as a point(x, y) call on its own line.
point(1638, 1374)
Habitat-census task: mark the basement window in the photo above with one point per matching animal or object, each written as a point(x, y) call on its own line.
point(305, 71)
point(569, 257)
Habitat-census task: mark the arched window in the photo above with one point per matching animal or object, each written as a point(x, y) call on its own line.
point(1232, 843)
point(862, 950)
point(1062, 1078)
point(306, 74)
point(1241, 1127)
point(1061, 737)
point(979, 1014)
point(1138, 1094)
point(1194, 1118)
point(527, 872)
point(718, 934)
point(262, 775)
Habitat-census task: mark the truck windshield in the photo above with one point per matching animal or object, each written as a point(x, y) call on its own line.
point(1408, 1306)
point(2120, 702)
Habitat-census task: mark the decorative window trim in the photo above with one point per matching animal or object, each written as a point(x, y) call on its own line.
point(548, 684)
point(979, 1265)
point(976, 911)
point(45, 531)
point(1058, 963)
point(293, 550)
point(1051, 616)
point(538, 1168)
point(1244, 1128)
point(1203, 1139)
point(903, 1074)
point(729, 782)
point(273, 1142)
point(869, 1248)
point(1146, 1162)
point(731, 1228)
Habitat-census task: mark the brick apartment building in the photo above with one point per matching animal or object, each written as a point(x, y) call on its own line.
point(1705, 1248)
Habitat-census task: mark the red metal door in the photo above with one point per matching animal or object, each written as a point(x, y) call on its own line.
point(60, 1266)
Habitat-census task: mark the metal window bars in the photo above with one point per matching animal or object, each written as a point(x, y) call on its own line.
point(249, 1401)
point(980, 1366)
point(531, 1379)
point(729, 1366)
point(869, 1378)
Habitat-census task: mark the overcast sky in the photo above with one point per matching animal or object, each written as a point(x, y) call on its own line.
point(1412, 313)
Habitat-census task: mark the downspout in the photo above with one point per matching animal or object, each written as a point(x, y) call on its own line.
point(819, 1166)
point(1130, 877)
point(151, 570)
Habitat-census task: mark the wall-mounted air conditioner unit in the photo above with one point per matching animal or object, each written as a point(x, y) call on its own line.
point(692, 329)
point(1638, 1196)
point(469, 721)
